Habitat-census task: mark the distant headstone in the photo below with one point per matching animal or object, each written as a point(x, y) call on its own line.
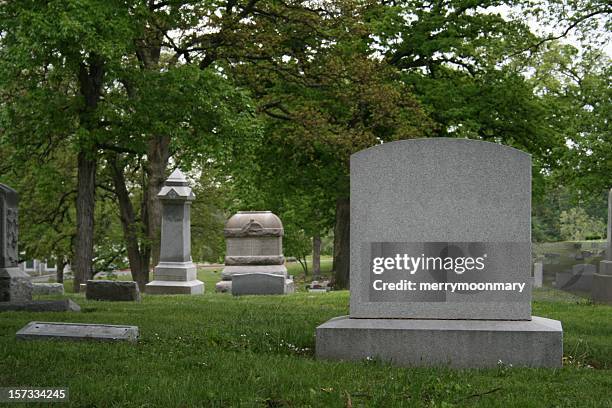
point(64, 305)
point(176, 273)
point(48, 288)
point(261, 284)
point(538, 274)
point(77, 331)
point(15, 285)
point(602, 281)
point(580, 278)
point(112, 290)
point(440, 238)
point(254, 245)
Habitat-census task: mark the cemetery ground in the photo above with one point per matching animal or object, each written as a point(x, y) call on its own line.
point(219, 350)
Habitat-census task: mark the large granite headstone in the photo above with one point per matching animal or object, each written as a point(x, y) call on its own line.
point(176, 272)
point(254, 247)
point(602, 281)
point(441, 259)
point(15, 285)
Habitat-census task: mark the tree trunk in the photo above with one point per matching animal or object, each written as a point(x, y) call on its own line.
point(342, 244)
point(316, 257)
point(138, 255)
point(60, 264)
point(91, 79)
point(158, 156)
point(85, 206)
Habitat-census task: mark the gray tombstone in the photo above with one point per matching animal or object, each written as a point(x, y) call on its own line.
point(48, 288)
point(261, 284)
point(113, 290)
point(176, 272)
point(580, 278)
point(254, 245)
point(15, 285)
point(602, 281)
point(538, 274)
point(441, 243)
point(77, 331)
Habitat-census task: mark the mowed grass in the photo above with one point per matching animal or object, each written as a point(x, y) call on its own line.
point(258, 351)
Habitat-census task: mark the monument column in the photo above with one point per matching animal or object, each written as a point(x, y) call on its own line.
point(15, 285)
point(602, 282)
point(176, 272)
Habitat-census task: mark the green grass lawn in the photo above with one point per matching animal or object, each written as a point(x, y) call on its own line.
point(224, 351)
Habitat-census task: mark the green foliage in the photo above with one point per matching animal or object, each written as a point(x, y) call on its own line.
point(577, 225)
point(268, 343)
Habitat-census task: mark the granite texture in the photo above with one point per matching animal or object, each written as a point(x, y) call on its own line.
point(440, 190)
point(15, 285)
point(77, 331)
point(176, 273)
point(48, 288)
point(113, 290)
point(453, 343)
point(64, 305)
point(261, 284)
point(538, 274)
point(601, 291)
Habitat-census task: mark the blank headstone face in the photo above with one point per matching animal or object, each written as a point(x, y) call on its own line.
point(437, 199)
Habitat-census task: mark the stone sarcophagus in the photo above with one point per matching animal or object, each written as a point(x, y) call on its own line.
point(254, 245)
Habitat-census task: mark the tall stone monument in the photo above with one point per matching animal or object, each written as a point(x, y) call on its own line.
point(441, 259)
point(602, 281)
point(15, 285)
point(176, 272)
point(254, 254)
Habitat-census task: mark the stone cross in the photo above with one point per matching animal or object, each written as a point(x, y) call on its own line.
point(176, 272)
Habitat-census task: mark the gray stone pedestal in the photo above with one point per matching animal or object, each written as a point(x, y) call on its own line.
point(15, 285)
point(176, 273)
point(453, 343)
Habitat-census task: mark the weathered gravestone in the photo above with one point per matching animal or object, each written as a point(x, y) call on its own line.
point(254, 249)
point(176, 272)
point(48, 288)
point(15, 285)
point(580, 278)
point(538, 274)
point(113, 290)
point(602, 281)
point(441, 259)
point(77, 331)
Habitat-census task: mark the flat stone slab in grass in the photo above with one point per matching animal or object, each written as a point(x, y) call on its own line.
point(47, 289)
point(64, 305)
point(77, 331)
point(112, 290)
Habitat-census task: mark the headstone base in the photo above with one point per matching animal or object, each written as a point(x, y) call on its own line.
point(48, 288)
point(157, 287)
point(112, 290)
point(15, 285)
point(453, 343)
point(261, 284)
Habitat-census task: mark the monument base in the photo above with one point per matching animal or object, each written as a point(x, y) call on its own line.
point(157, 287)
point(453, 343)
point(15, 285)
point(602, 289)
